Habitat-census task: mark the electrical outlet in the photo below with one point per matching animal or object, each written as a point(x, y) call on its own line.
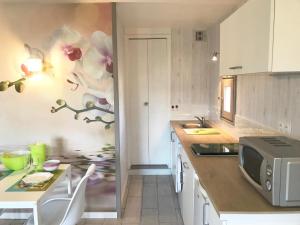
point(288, 127)
point(285, 127)
point(281, 127)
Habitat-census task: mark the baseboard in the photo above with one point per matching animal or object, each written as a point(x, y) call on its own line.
point(100, 215)
point(15, 215)
point(149, 172)
point(86, 215)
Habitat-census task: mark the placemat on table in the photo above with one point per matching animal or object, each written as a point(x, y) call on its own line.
point(5, 173)
point(20, 186)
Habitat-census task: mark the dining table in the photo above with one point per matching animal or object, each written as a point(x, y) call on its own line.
point(30, 199)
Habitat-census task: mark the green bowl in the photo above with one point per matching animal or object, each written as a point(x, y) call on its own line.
point(15, 160)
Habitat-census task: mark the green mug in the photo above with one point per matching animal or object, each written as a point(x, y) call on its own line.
point(38, 155)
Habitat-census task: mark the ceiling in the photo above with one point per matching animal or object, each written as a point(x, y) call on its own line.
point(198, 14)
point(163, 13)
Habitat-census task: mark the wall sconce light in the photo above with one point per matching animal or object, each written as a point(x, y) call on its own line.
point(33, 65)
point(215, 56)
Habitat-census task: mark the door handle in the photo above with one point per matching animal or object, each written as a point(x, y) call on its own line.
point(172, 139)
point(146, 103)
point(185, 165)
point(235, 67)
point(205, 205)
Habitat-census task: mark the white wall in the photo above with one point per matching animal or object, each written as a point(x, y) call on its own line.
point(189, 74)
point(213, 36)
point(122, 111)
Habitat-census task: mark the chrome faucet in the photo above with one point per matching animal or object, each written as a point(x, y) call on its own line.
point(201, 120)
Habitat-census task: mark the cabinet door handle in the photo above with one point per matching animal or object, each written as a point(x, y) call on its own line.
point(235, 67)
point(146, 103)
point(185, 165)
point(172, 139)
point(205, 222)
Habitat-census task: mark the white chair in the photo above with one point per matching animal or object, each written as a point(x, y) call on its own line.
point(65, 211)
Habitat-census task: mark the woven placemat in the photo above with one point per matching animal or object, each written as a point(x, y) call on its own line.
point(20, 186)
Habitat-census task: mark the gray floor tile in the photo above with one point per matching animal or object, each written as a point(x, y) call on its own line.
point(164, 189)
point(82, 222)
point(112, 222)
point(175, 201)
point(165, 179)
point(135, 189)
point(165, 202)
point(135, 177)
point(132, 213)
point(179, 217)
point(12, 222)
point(149, 217)
point(130, 223)
point(93, 221)
point(150, 220)
point(149, 212)
point(150, 179)
point(172, 223)
point(150, 202)
point(150, 190)
point(167, 215)
point(140, 181)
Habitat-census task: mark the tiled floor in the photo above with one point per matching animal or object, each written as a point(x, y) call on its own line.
point(151, 201)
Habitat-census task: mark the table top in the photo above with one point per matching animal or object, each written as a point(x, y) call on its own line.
point(25, 199)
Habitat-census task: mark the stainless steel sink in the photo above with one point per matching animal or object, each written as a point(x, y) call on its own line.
point(194, 125)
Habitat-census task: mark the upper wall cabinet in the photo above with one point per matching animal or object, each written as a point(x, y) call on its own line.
point(261, 36)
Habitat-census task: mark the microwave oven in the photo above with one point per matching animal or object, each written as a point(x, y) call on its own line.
point(272, 166)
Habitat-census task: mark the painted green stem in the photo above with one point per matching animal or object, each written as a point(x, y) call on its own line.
point(62, 104)
point(15, 82)
point(78, 111)
point(98, 119)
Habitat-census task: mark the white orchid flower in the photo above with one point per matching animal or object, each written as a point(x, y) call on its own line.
point(97, 60)
point(103, 96)
point(99, 102)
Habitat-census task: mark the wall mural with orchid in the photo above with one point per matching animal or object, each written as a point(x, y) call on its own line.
point(71, 106)
point(92, 71)
point(90, 75)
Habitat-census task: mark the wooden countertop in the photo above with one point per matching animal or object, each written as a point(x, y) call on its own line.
point(226, 187)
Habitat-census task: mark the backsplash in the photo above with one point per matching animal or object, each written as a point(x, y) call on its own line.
point(270, 100)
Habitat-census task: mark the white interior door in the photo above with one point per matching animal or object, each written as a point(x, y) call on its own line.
point(159, 102)
point(148, 101)
point(137, 96)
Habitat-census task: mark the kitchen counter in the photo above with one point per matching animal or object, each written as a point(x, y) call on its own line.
point(225, 185)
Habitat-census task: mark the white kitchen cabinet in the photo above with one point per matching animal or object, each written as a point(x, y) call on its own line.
point(180, 194)
point(175, 144)
point(148, 100)
point(187, 208)
point(261, 36)
point(199, 203)
point(286, 36)
point(213, 216)
point(230, 46)
point(204, 211)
